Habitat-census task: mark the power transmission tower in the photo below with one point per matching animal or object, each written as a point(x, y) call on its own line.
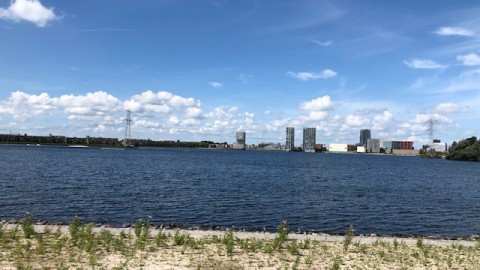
point(128, 128)
point(431, 130)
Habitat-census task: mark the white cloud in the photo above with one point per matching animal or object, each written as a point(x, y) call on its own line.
point(307, 76)
point(353, 120)
point(449, 108)
point(319, 104)
point(23, 106)
point(316, 116)
point(216, 84)
point(423, 64)
point(471, 59)
point(173, 120)
point(161, 102)
point(322, 43)
point(381, 121)
point(29, 10)
point(454, 31)
point(94, 104)
point(193, 112)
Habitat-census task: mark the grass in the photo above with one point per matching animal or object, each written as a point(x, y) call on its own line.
point(81, 247)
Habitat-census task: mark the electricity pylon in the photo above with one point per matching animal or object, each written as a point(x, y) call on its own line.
point(431, 130)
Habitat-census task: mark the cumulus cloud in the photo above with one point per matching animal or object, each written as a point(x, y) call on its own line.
point(381, 121)
point(454, 31)
point(471, 59)
point(316, 116)
point(353, 120)
point(216, 84)
point(423, 64)
point(94, 104)
point(449, 108)
point(319, 104)
point(193, 112)
point(28, 10)
point(23, 106)
point(161, 102)
point(308, 76)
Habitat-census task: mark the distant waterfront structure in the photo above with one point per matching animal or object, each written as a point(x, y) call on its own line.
point(309, 139)
point(290, 138)
point(338, 148)
point(241, 139)
point(365, 134)
point(373, 145)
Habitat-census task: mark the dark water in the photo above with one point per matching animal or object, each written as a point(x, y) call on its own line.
point(248, 189)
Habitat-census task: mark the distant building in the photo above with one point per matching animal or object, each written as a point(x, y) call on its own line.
point(373, 145)
point(438, 146)
point(338, 148)
point(241, 139)
point(399, 145)
point(361, 149)
point(365, 134)
point(290, 138)
point(309, 139)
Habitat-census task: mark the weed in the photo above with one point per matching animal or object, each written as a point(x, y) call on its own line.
point(179, 238)
point(74, 230)
point(282, 236)
point(229, 241)
point(138, 228)
point(309, 260)
point(27, 226)
point(336, 263)
point(161, 239)
point(40, 244)
point(106, 238)
point(293, 248)
point(306, 244)
point(296, 263)
point(268, 248)
point(348, 238)
point(420, 243)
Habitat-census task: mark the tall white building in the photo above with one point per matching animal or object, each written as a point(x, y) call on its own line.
point(290, 138)
point(309, 139)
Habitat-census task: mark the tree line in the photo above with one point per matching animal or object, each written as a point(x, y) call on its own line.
point(467, 149)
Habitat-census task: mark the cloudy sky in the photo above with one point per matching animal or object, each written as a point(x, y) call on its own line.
point(201, 70)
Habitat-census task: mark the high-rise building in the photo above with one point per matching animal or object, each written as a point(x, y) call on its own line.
point(290, 138)
point(365, 134)
point(241, 138)
point(309, 139)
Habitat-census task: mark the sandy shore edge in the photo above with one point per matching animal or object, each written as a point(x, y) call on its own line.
point(264, 235)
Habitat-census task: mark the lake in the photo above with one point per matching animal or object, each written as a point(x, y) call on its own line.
point(249, 189)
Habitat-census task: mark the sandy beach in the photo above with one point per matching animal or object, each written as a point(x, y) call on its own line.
point(143, 247)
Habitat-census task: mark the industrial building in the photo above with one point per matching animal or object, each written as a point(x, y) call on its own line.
point(398, 145)
point(365, 135)
point(309, 139)
point(241, 139)
point(290, 139)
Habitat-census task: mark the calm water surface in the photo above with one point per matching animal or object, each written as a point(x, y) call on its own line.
point(248, 189)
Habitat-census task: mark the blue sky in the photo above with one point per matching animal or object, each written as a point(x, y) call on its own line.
point(201, 70)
